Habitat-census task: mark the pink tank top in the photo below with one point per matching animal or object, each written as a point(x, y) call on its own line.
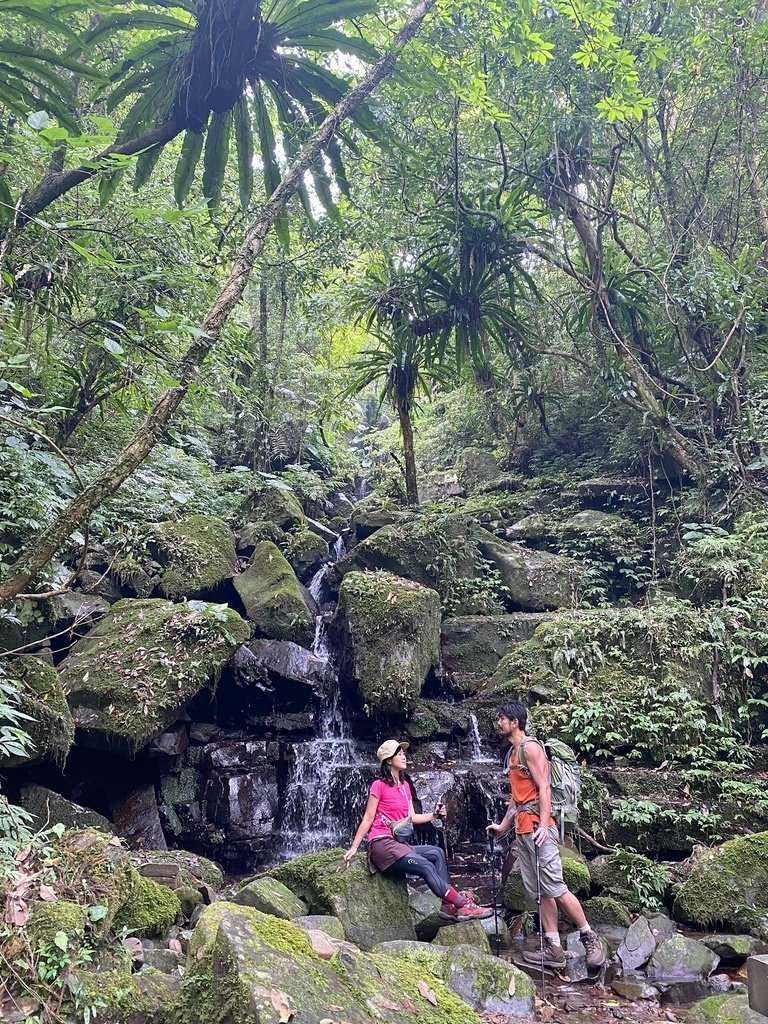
point(394, 802)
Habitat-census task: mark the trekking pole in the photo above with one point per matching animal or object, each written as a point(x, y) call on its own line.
point(494, 891)
point(541, 925)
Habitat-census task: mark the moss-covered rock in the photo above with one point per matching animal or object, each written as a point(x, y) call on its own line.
point(321, 922)
point(602, 910)
point(150, 909)
point(305, 551)
point(615, 878)
point(145, 998)
point(371, 908)
point(107, 875)
point(47, 919)
point(49, 808)
point(274, 503)
point(473, 645)
point(724, 1009)
point(270, 897)
point(129, 678)
point(241, 961)
point(192, 867)
point(196, 553)
point(733, 950)
point(535, 580)
point(726, 885)
point(252, 534)
point(391, 628)
point(274, 600)
point(41, 696)
point(575, 875)
point(464, 933)
point(682, 957)
point(475, 465)
point(367, 519)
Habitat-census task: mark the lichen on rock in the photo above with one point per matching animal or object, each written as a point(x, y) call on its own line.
point(129, 678)
point(392, 631)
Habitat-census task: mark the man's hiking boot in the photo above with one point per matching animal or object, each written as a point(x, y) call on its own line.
point(593, 948)
point(553, 956)
point(467, 910)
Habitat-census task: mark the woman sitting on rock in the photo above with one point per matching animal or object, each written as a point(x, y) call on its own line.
point(388, 823)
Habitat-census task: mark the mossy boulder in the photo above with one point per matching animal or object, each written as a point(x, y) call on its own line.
point(150, 909)
point(682, 957)
point(724, 1009)
point(367, 519)
point(271, 897)
point(535, 580)
point(473, 645)
point(250, 967)
point(391, 633)
point(575, 875)
point(486, 983)
point(192, 868)
point(104, 867)
point(371, 908)
point(475, 465)
point(252, 534)
point(274, 600)
point(726, 885)
point(465, 933)
point(275, 503)
point(733, 950)
point(46, 920)
point(130, 677)
point(605, 910)
point(50, 808)
point(41, 696)
point(196, 554)
point(321, 922)
point(306, 551)
point(145, 998)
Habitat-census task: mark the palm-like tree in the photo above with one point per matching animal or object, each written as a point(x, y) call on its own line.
point(217, 72)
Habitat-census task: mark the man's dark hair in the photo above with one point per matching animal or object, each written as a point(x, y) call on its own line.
point(512, 709)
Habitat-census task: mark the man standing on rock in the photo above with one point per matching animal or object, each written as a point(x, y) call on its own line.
point(537, 850)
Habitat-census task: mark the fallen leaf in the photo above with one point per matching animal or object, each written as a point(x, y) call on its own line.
point(388, 1004)
point(427, 992)
point(114, 841)
point(16, 912)
point(408, 1004)
point(512, 985)
point(281, 1003)
point(47, 893)
point(175, 945)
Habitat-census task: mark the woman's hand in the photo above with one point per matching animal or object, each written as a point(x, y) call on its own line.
point(439, 811)
point(350, 854)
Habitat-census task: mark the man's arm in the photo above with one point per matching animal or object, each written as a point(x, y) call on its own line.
point(505, 824)
point(538, 766)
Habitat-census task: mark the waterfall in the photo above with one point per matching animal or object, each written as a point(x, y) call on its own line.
point(476, 744)
point(328, 786)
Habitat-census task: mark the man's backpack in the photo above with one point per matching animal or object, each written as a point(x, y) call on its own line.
point(564, 781)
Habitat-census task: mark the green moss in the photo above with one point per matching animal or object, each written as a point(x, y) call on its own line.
point(304, 550)
point(315, 877)
point(117, 998)
point(105, 869)
point(727, 885)
point(607, 910)
point(277, 505)
point(46, 919)
point(393, 626)
point(41, 696)
point(193, 866)
point(397, 974)
point(724, 1009)
point(196, 553)
point(150, 909)
point(131, 675)
point(273, 599)
point(271, 897)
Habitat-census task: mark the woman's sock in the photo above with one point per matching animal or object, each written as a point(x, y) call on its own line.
point(453, 897)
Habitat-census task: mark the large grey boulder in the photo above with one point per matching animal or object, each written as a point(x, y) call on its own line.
point(473, 645)
point(681, 957)
point(271, 897)
point(638, 946)
point(49, 808)
point(196, 554)
point(391, 635)
point(535, 580)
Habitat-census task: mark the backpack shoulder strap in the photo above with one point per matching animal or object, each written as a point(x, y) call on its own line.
point(521, 751)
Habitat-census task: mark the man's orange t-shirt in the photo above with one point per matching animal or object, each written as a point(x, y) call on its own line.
point(523, 790)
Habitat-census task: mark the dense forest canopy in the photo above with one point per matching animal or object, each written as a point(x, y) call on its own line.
point(407, 268)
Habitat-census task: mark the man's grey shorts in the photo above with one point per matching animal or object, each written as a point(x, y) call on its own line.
point(550, 865)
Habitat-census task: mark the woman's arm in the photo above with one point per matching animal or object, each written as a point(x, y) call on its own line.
point(365, 824)
point(424, 819)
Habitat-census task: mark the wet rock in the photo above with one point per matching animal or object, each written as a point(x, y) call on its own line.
point(681, 957)
point(634, 988)
point(48, 808)
point(244, 805)
point(371, 908)
point(391, 629)
point(724, 1009)
point(425, 908)
point(306, 551)
point(535, 580)
point(205, 732)
point(164, 960)
point(275, 602)
point(130, 677)
point(323, 922)
point(41, 696)
point(733, 950)
point(322, 530)
point(638, 946)
point(270, 897)
point(464, 933)
point(137, 819)
point(286, 661)
point(172, 743)
point(605, 910)
point(473, 645)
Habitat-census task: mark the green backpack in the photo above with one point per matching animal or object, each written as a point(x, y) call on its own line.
point(564, 781)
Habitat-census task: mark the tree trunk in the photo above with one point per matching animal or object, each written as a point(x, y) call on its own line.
point(406, 427)
point(47, 543)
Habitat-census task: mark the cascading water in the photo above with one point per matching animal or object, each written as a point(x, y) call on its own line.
point(327, 789)
point(476, 744)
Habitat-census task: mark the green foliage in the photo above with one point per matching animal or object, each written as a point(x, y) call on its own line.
point(646, 880)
